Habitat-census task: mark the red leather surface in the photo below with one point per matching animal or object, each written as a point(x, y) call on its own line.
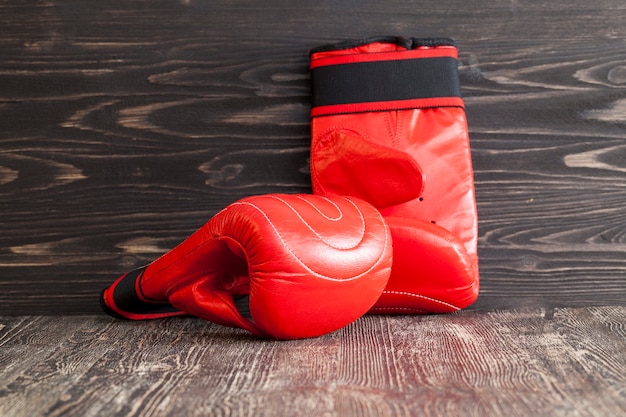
point(437, 140)
point(303, 259)
point(380, 175)
point(431, 272)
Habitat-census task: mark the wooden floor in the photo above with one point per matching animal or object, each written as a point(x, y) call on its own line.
point(124, 126)
point(531, 362)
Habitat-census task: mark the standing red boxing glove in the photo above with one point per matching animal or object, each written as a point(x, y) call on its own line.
point(300, 258)
point(388, 125)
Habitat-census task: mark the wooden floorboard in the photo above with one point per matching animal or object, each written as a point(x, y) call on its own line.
point(528, 362)
point(126, 125)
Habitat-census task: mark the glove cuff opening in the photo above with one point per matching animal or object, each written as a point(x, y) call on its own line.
point(407, 43)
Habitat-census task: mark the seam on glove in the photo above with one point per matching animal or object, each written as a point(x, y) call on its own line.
point(402, 309)
point(422, 297)
point(304, 265)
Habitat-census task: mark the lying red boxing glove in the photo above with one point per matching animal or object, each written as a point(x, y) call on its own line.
point(301, 259)
point(388, 125)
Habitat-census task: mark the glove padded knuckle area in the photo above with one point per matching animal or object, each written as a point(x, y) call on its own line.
point(306, 258)
point(334, 240)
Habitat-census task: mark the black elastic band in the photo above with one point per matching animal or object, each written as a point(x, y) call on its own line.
point(378, 81)
point(126, 299)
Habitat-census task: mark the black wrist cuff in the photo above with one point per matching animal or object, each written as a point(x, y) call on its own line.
point(127, 303)
point(388, 80)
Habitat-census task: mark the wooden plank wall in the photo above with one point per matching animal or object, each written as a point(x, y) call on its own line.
point(125, 125)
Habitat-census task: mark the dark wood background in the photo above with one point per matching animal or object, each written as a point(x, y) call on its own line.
point(124, 125)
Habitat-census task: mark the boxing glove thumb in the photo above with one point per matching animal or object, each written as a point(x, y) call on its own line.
point(378, 174)
point(300, 258)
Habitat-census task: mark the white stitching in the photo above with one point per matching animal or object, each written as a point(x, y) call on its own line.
point(302, 263)
point(318, 210)
point(422, 297)
point(320, 237)
point(414, 310)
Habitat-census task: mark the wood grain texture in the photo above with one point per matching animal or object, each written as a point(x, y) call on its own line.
point(125, 125)
point(539, 362)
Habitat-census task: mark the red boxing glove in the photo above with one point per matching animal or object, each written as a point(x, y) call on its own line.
point(301, 259)
point(388, 125)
